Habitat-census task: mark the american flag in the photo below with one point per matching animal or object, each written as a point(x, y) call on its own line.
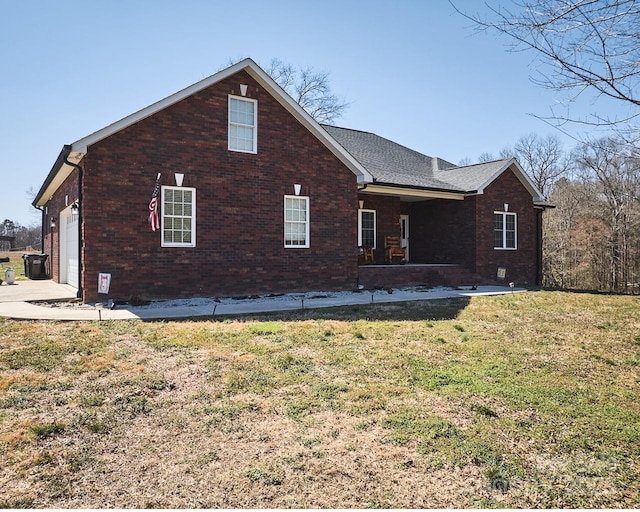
point(153, 206)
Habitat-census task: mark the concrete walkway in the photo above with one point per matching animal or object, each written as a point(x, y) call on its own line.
point(39, 290)
point(15, 302)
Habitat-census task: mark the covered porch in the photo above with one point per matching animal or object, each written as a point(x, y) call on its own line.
point(436, 231)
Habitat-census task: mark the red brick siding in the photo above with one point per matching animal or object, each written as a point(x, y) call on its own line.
point(521, 264)
point(239, 224)
point(443, 231)
point(63, 197)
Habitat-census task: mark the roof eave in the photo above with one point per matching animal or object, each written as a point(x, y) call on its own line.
point(261, 77)
point(57, 175)
point(543, 204)
point(81, 145)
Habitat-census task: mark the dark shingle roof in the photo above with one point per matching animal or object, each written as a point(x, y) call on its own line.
point(473, 177)
point(394, 164)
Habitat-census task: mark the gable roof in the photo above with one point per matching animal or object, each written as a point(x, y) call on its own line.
point(73, 153)
point(372, 158)
point(477, 177)
point(395, 165)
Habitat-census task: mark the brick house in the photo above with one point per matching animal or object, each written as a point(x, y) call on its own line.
point(256, 197)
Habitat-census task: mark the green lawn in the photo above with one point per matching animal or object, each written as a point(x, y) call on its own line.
point(522, 400)
point(16, 263)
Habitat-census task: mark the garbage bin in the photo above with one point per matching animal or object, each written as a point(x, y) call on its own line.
point(34, 265)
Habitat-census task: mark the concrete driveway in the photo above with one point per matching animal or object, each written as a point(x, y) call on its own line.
point(36, 290)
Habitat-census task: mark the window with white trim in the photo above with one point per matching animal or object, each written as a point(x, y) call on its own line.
point(296, 221)
point(367, 228)
point(178, 217)
point(505, 230)
point(243, 122)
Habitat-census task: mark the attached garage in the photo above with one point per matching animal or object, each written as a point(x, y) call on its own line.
point(70, 249)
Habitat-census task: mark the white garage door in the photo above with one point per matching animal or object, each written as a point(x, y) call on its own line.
point(71, 250)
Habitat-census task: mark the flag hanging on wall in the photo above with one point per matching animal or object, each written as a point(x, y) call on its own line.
point(153, 206)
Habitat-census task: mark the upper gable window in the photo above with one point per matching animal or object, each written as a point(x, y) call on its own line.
point(243, 123)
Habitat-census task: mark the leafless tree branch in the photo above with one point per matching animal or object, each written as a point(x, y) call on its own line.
point(587, 45)
point(310, 89)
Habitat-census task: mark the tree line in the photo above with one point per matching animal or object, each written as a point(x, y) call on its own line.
point(25, 236)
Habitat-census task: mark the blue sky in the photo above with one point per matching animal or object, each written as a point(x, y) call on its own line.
point(414, 71)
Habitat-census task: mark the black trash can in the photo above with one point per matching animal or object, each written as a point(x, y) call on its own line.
point(34, 265)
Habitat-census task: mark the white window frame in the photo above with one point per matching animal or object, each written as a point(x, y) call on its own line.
point(504, 215)
point(306, 222)
point(375, 226)
point(164, 216)
point(254, 126)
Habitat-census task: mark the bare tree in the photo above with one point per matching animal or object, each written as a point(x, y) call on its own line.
point(617, 178)
point(310, 89)
point(8, 228)
point(588, 45)
point(486, 157)
point(543, 159)
point(563, 246)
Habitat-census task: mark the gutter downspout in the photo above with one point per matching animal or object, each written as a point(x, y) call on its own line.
point(42, 219)
point(80, 260)
point(539, 249)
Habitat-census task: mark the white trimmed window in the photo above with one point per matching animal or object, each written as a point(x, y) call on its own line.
point(505, 230)
point(243, 123)
point(178, 217)
point(296, 221)
point(367, 228)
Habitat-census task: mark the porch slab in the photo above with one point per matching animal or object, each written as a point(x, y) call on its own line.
point(415, 274)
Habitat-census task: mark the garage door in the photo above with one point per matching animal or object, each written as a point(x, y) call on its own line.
point(71, 250)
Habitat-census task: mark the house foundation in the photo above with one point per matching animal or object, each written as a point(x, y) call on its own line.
point(403, 276)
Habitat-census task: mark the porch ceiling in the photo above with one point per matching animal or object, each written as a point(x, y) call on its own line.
point(407, 194)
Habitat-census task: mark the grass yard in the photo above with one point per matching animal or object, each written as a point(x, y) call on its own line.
point(15, 262)
point(523, 400)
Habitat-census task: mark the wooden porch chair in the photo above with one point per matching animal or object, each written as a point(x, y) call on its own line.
point(393, 249)
point(365, 255)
